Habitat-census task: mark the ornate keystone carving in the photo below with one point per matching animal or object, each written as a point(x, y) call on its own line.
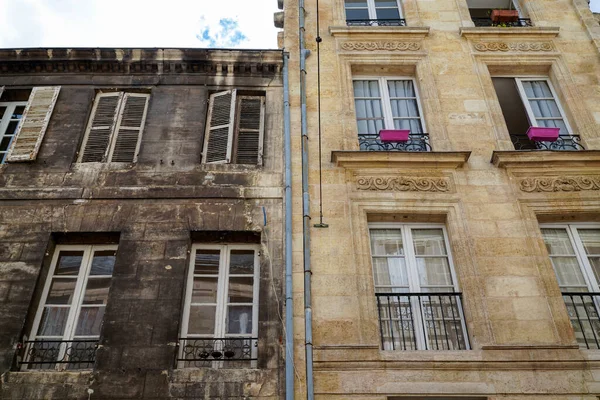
point(516, 46)
point(403, 184)
point(389, 46)
point(560, 184)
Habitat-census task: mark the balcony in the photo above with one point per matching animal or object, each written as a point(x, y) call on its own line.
point(564, 142)
point(376, 22)
point(520, 22)
point(583, 312)
point(210, 352)
point(416, 142)
point(422, 321)
point(58, 354)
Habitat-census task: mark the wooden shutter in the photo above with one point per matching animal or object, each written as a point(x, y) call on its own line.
point(100, 127)
point(34, 122)
point(249, 129)
point(130, 126)
point(219, 127)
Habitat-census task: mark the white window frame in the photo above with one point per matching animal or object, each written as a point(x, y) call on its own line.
point(222, 289)
point(373, 10)
point(5, 120)
point(413, 273)
point(386, 107)
point(78, 294)
point(530, 115)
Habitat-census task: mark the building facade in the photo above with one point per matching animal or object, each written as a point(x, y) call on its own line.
point(141, 217)
point(459, 180)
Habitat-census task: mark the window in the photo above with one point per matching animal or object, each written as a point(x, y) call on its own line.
point(483, 13)
point(11, 114)
point(373, 12)
point(220, 318)
point(114, 131)
point(67, 324)
point(574, 251)
point(234, 129)
point(419, 306)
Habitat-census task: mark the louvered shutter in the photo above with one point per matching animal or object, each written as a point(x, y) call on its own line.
point(250, 128)
point(219, 127)
point(130, 126)
point(100, 127)
point(34, 122)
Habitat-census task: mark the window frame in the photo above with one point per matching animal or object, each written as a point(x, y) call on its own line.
point(386, 107)
point(4, 122)
point(78, 294)
point(373, 10)
point(222, 292)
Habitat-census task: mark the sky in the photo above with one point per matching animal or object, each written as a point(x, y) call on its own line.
point(595, 5)
point(138, 23)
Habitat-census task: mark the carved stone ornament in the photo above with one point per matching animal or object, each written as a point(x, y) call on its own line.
point(560, 184)
point(403, 184)
point(523, 46)
point(389, 46)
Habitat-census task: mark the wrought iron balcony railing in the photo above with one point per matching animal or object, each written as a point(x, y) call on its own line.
point(564, 142)
point(376, 22)
point(58, 354)
point(415, 142)
point(202, 352)
point(488, 22)
point(583, 312)
point(422, 321)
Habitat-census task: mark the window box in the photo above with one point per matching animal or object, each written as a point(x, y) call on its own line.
point(505, 15)
point(391, 135)
point(543, 134)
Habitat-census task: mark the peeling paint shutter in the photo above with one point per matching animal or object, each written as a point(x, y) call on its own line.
point(100, 127)
point(219, 127)
point(250, 128)
point(32, 128)
point(130, 126)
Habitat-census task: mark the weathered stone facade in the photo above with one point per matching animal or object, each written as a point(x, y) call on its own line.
point(522, 343)
point(152, 209)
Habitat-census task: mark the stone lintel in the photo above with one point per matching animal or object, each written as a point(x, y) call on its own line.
point(400, 159)
point(543, 158)
point(545, 32)
point(387, 32)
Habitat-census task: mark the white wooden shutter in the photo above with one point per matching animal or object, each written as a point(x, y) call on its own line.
point(130, 126)
point(250, 128)
point(100, 127)
point(219, 127)
point(31, 130)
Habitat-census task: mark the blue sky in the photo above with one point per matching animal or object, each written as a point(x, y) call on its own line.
point(595, 5)
point(137, 23)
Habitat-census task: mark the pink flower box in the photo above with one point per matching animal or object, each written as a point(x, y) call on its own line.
point(394, 135)
point(539, 133)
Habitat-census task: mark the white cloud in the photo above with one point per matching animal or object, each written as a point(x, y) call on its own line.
point(136, 23)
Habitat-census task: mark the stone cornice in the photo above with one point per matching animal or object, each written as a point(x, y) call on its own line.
point(398, 159)
point(387, 32)
point(541, 158)
point(540, 32)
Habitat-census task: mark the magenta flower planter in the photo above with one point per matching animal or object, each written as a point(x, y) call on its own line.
point(539, 133)
point(394, 135)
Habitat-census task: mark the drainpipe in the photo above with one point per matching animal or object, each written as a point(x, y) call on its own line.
point(308, 346)
point(289, 302)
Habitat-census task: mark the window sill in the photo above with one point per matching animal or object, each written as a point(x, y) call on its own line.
point(384, 31)
point(540, 158)
point(400, 159)
point(532, 31)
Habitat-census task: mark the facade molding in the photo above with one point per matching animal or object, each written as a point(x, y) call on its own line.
point(402, 184)
point(560, 184)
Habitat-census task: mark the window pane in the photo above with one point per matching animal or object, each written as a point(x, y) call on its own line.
point(202, 320)
point(388, 13)
point(401, 88)
point(4, 143)
point(413, 125)
point(366, 89)
point(535, 89)
point(61, 291)
point(356, 3)
point(241, 290)
point(554, 123)
point(386, 3)
point(356, 13)
point(241, 262)
point(89, 322)
point(568, 272)
point(103, 262)
point(590, 239)
point(96, 291)
point(389, 272)
point(429, 242)
point(69, 263)
point(205, 290)
point(239, 319)
point(434, 271)
point(53, 321)
point(11, 128)
point(386, 242)
point(595, 263)
point(207, 262)
point(544, 108)
point(557, 241)
point(18, 113)
point(404, 108)
point(2, 111)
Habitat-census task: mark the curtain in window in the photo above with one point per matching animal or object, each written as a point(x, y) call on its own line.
point(367, 100)
point(405, 110)
point(568, 272)
point(544, 106)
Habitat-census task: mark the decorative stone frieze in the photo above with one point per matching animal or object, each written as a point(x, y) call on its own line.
point(514, 46)
point(402, 184)
point(560, 184)
point(381, 45)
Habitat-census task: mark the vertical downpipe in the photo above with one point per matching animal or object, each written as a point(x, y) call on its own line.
point(305, 211)
point(289, 305)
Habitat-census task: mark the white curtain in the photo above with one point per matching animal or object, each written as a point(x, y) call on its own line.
point(405, 110)
point(544, 106)
point(367, 100)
